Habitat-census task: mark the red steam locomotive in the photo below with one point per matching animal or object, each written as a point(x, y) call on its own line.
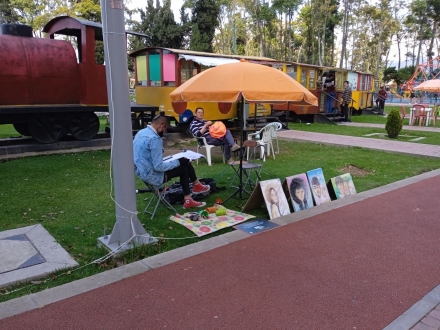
point(47, 89)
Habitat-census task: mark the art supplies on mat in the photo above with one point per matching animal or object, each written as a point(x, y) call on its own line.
point(210, 222)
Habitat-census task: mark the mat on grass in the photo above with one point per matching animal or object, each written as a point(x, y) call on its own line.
point(213, 223)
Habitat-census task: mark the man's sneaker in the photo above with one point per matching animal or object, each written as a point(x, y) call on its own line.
point(235, 147)
point(200, 188)
point(190, 203)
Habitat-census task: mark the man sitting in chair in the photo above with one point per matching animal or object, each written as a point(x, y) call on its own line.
point(150, 168)
point(200, 127)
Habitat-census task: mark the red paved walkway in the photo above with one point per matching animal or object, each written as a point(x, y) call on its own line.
point(356, 267)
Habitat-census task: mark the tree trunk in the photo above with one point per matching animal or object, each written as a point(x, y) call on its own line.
point(431, 45)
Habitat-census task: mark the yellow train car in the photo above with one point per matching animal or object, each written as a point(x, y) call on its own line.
point(307, 75)
point(159, 70)
point(362, 86)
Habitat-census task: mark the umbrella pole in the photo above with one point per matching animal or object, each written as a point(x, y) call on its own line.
point(287, 117)
point(240, 184)
point(240, 189)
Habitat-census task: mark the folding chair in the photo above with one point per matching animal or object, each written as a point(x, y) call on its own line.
point(249, 167)
point(159, 194)
point(201, 143)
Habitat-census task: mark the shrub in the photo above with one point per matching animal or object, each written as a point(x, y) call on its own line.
point(394, 124)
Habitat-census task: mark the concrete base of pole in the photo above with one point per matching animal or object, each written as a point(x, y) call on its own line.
point(136, 241)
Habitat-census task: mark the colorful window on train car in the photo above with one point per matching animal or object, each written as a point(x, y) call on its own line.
point(141, 70)
point(312, 79)
point(369, 85)
point(291, 71)
point(352, 79)
point(187, 70)
point(304, 77)
point(155, 76)
point(339, 80)
point(169, 69)
point(365, 82)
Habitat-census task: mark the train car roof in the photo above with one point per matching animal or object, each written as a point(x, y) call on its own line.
point(71, 23)
point(304, 64)
point(267, 60)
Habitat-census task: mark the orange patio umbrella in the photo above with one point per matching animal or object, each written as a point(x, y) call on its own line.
point(255, 83)
point(429, 86)
point(239, 82)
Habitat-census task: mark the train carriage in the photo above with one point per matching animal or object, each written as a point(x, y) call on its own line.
point(160, 70)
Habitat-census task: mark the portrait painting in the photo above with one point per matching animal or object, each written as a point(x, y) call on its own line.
point(319, 188)
point(275, 199)
point(300, 193)
point(343, 185)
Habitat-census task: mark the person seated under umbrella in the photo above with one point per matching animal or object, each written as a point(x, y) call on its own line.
point(200, 127)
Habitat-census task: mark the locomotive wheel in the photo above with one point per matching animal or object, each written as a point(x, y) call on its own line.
point(84, 126)
point(22, 128)
point(47, 128)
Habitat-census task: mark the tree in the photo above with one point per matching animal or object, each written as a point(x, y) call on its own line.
point(204, 21)
point(158, 24)
point(7, 13)
point(422, 23)
point(347, 11)
point(288, 9)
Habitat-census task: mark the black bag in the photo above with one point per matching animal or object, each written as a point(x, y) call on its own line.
point(175, 195)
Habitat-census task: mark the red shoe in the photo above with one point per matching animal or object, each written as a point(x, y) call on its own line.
point(189, 203)
point(200, 188)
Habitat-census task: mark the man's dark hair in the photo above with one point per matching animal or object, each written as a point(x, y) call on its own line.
point(159, 119)
point(315, 181)
point(346, 82)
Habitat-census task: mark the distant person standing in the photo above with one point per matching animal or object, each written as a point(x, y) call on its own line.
point(412, 96)
point(382, 96)
point(330, 89)
point(346, 100)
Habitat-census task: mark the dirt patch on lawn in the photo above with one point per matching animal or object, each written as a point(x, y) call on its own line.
point(354, 170)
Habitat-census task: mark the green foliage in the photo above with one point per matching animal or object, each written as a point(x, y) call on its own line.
point(7, 12)
point(204, 21)
point(394, 124)
point(399, 76)
point(157, 22)
point(389, 73)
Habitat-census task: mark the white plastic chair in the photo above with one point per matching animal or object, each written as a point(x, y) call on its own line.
point(201, 143)
point(277, 126)
point(264, 137)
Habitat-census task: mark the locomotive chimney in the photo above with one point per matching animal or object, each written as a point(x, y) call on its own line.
point(19, 30)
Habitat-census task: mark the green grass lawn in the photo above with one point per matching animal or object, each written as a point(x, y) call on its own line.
point(69, 195)
point(405, 135)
